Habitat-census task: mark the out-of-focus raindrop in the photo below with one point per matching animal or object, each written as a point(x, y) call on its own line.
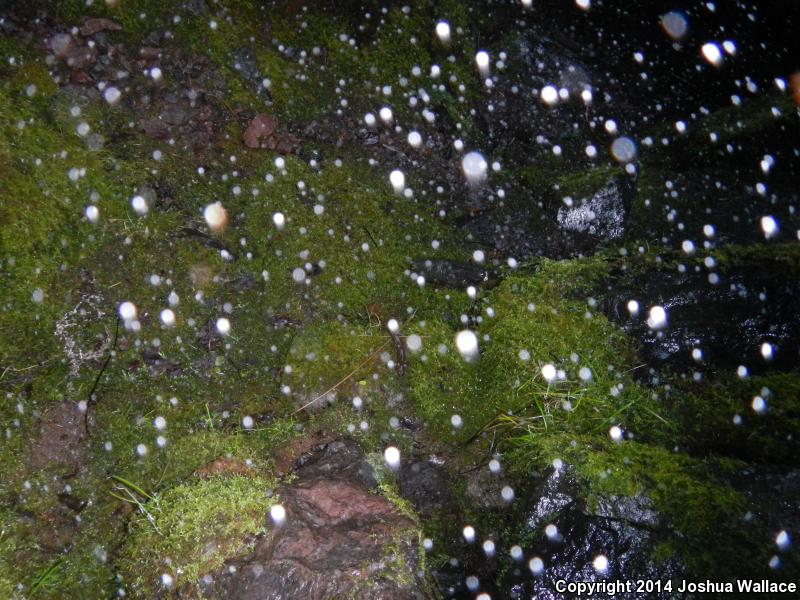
point(278, 514)
point(536, 565)
point(712, 53)
point(675, 24)
point(657, 318)
point(549, 95)
point(298, 275)
point(392, 457)
point(168, 317)
point(475, 167)
point(92, 213)
point(623, 149)
point(482, 62)
point(127, 310)
point(467, 344)
point(600, 563)
point(769, 226)
point(223, 326)
point(469, 534)
point(139, 205)
point(782, 540)
point(216, 216)
point(112, 95)
point(414, 139)
point(443, 31)
point(398, 180)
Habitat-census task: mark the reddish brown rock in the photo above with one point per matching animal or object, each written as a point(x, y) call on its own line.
point(80, 77)
point(339, 540)
point(262, 126)
point(96, 25)
point(149, 52)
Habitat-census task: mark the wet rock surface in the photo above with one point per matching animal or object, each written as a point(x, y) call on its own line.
point(426, 485)
point(751, 307)
point(340, 539)
point(456, 275)
point(601, 218)
point(623, 530)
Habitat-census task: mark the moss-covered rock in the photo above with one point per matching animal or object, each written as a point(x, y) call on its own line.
point(191, 530)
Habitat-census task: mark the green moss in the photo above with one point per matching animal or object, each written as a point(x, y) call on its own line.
point(777, 258)
point(753, 118)
point(697, 513)
point(332, 358)
point(542, 316)
point(195, 528)
point(444, 385)
point(707, 416)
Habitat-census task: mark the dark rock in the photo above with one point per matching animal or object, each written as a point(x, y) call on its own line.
point(242, 283)
point(287, 143)
point(174, 114)
point(154, 128)
point(244, 61)
point(484, 488)
point(71, 502)
point(425, 484)
point(195, 7)
point(453, 274)
point(750, 306)
point(339, 459)
point(198, 139)
point(71, 51)
point(61, 438)
point(339, 540)
point(621, 529)
point(56, 529)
